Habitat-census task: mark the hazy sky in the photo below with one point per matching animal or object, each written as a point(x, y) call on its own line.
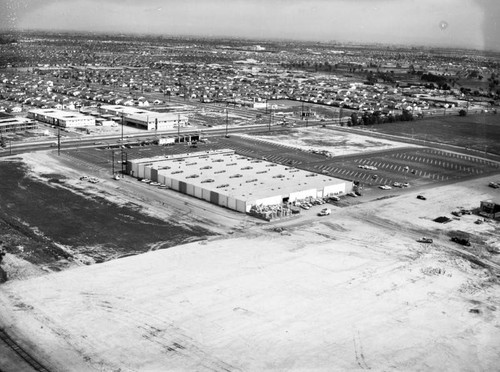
point(470, 23)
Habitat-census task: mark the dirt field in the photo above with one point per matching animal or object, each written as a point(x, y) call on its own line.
point(349, 291)
point(52, 219)
point(479, 132)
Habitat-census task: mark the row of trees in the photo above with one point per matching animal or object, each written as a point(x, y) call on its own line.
point(369, 118)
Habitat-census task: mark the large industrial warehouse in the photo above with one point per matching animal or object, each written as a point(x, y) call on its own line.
point(144, 119)
point(236, 182)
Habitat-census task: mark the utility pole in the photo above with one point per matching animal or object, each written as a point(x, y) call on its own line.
point(112, 162)
point(58, 140)
point(226, 119)
point(270, 118)
point(121, 144)
point(179, 127)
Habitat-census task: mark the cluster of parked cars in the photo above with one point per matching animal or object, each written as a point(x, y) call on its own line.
point(460, 212)
point(494, 185)
point(152, 183)
point(401, 184)
point(395, 184)
point(309, 204)
point(89, 179)
point(369, 167)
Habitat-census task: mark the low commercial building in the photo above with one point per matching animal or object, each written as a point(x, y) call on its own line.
point(236, 182)
point(490, 209)
point(14, 124)
point(145, 119)
point(66, 119)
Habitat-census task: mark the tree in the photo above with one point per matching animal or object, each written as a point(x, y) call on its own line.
point(462, 112)
point(354, 118)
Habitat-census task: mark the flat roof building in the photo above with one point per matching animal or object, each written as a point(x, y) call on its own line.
point(66, 119)
point(14, 124)
point(237, 182)
point(145, 119)
point(490, 208)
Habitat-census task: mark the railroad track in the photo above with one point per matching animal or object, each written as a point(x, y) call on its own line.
point(21, 352)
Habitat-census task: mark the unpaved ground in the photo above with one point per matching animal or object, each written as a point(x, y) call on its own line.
point(88, 219)
point(349, 291)
point(336, 143)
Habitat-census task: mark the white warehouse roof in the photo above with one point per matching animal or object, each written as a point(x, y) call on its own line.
point(249, 180)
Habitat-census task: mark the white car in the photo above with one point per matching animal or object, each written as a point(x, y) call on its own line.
point(325, 212)
point(385, 187)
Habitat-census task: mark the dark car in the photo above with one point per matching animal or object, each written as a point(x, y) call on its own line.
point(421, 197)
point(462, 241)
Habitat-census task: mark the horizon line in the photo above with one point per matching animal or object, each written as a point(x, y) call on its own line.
point(249, 38)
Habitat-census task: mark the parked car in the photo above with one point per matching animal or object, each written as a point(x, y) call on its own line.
point(385, 187)
point(494, 185)
point(325, 212)
point(421, 197)
point(425, 240)
point(462, 241)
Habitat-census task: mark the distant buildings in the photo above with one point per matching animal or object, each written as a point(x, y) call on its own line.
point(145, 119)
point(14, 124)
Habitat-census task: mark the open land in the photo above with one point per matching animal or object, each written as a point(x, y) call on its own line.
point(121, 275)
point(303, 293)
point(316, 295)
point(479, 132)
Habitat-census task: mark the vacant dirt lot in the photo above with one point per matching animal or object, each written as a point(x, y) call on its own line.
point(53, 220)
point(353, 290)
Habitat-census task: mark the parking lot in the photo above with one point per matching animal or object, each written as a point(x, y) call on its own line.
point(416, 166)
